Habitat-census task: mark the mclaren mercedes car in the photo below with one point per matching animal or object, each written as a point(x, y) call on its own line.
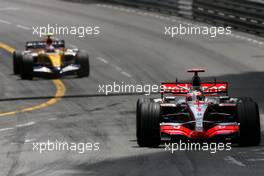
point(50, 57)
point(197, 111)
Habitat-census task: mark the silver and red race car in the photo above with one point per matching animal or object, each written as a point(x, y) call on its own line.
point(197, 111)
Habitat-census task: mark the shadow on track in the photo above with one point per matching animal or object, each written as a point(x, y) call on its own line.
point(69, 96)
point(248, 84)
point(164, 163)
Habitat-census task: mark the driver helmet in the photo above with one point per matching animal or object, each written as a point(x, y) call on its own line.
point(50, 49)
point(200, 96)
point(49, 40)
point(195, 96)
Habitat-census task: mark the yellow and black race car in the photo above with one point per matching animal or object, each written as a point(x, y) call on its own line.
point(50, 57)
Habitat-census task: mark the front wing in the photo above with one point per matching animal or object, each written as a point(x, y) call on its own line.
point(170, 131)
point(57, 70)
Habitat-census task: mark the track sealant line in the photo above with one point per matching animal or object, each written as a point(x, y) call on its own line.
point(60, 92)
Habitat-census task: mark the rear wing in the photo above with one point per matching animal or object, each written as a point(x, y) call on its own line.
point(42, 44)
point(184, 88)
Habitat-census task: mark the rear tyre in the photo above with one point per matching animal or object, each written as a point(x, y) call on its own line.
point(248, 117)
point(17, 59)
point(26, 67)
point(149, 126)
point(82, 59)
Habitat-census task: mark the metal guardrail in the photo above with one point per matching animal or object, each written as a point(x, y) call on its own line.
point(243, 15)
point(246, 15)
point(257, 1)
point(176, 7)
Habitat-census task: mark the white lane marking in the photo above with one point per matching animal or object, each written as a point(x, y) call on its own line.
point(256, 150)
point(248, 39)
point(4, 21)
point(51, 119)
point(116, 67)
point(9, 8)
point(15, 143)
point(25, 124)
point(126, 74)
point(256, 159)
point(29, 140)
point(242, 152)
point(23, 27)
point(102, 60)
point(234, 161)
point(73, 46)
point(6, 129)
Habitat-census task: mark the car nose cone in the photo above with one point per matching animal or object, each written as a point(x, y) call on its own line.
point(57, 70)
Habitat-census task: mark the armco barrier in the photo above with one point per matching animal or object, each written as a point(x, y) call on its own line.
point(176, 7)
point(243, 15)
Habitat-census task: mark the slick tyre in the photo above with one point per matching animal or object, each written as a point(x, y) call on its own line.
point(139, 102)
point(26, 67)
point(248, 117)
point(17, 59)
point(149, 126)
point(82, 59)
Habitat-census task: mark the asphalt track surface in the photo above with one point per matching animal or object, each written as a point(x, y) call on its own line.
point(131, 48)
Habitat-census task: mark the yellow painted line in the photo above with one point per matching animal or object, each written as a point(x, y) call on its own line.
point(7, 48)
point(60, 92)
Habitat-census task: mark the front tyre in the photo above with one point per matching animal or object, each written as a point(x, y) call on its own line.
point(149, 126)
point(248, 117)
point(26, 67)
point(82, 59)
point(139, 103)
point(17, 59)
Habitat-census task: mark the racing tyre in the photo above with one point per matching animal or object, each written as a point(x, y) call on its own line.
point(139, 102)
point(149, 126)
point(26, 68)
point(17, 59)
point(248, 117)
point(82, 59)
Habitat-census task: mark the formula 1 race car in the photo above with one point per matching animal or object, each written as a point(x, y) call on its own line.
point(50, 57)
point(197, 111)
